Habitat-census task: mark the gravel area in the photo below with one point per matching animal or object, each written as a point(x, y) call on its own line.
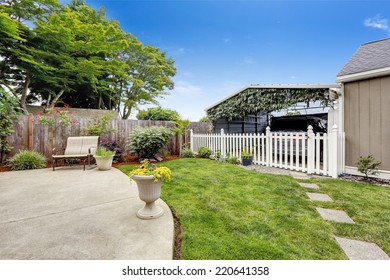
point(267, 169)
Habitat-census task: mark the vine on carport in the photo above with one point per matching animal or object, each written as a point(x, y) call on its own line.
point(252, 101)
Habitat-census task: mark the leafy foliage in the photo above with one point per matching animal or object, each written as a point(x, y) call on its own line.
point(204, 119)
point(252, 101)
point(158, 114)
point(53, 116)
point(112, 146)
point(187, 153)
point(162, 114)
point(8, 112)
point(27, 160)
point(233, 160)
point(147, 141)
point(73, 54)
point(368, 165)
point(100, 126)
point(204, 152)
point(104, 152)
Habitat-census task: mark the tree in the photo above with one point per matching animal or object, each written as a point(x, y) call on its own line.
point(368, 165)
point(8, 112)
point(158, 114)
point(80, 46)
point(148, 74)
point(75, 55)
point(19, 60)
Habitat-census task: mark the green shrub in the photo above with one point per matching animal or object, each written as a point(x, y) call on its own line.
point(368, 165)
point(233, 160)
point(204, 152)
point(27, 160)
point(103, 152)
point(187, 153)
point(147, 141)
point(100, 126)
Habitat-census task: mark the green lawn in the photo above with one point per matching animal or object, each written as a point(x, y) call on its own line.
point(227, 212)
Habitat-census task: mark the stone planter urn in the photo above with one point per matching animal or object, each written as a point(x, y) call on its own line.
point(104, 162)
point(148, 191)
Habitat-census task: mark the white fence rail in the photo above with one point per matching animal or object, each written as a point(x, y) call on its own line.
point(299, 151)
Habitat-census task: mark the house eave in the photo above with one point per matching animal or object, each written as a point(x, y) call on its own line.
point(363, 75)
point(280, 86)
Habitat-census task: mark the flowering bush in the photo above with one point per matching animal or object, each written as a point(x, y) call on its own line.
point(147, 169)
point(56, 116)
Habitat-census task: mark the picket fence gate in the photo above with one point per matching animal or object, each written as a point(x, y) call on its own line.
point(309, 152)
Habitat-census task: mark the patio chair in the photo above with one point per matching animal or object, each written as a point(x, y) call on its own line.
point(80, 147)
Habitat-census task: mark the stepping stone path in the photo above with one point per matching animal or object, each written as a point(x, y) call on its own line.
point(319, 197)
point(310, 186)
point(361, 250)
point(354, 249)
point(335, 215)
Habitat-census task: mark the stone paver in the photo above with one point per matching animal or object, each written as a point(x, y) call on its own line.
point(361, 250)
point(310, 186)
point(335, 215)
point(319, 197)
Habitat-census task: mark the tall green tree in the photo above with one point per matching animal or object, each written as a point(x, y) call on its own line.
point(148, 76)
point(73, 54)
point(19, 59)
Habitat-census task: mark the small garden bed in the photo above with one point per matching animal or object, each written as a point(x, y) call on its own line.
point(362, 179)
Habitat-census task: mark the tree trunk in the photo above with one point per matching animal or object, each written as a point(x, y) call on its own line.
point(126, 113)
point(23, 99)
point(53, 103)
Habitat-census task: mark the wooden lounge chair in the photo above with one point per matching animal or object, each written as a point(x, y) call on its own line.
point(81, 147)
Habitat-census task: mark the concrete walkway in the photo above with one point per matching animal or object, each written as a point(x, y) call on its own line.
point(76, 214)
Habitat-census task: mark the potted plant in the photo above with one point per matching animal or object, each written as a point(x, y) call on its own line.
point(246, 158)
point(104, 158)
point(149, 180)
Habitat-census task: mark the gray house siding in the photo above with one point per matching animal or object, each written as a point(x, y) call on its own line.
point(367, 120)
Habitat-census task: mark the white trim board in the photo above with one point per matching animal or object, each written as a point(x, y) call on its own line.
point(364, 75)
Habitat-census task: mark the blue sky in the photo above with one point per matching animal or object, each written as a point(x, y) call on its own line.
point(221, 46)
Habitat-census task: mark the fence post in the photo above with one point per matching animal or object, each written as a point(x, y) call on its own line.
point(333, 152)
point(267, 146)
point(191, 140)
point(30, 133)
point(310, 150)
point(222, 145)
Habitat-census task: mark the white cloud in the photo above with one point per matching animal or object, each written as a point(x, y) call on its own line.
point(227, 40)
point(187, 89)
point(377, 22)
point(250, 60)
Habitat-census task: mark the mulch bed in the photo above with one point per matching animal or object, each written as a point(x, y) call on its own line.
point(128, 160)
point(362, 179)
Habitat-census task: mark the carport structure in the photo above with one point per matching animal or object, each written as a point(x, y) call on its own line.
point(298, 150)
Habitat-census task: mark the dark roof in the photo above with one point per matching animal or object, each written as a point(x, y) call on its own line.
point(370, 56)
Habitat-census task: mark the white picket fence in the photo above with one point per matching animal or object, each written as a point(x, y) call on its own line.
point(300, 151)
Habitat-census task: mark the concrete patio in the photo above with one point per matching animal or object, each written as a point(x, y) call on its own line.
point(76, 214)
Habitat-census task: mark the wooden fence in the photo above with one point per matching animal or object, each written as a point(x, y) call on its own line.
point(300, 151)
point(29, 134)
